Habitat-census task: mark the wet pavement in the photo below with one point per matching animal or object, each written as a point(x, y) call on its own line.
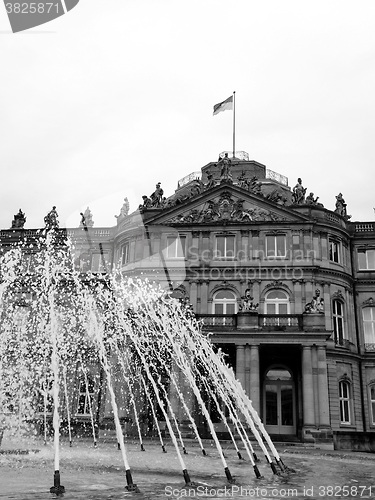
point(98, 473)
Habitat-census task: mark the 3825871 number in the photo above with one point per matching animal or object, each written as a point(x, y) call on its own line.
point(32, 8)
point(346, 491)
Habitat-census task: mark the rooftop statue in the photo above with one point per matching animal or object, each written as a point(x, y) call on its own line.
point(157, 196)
point(298, 195)
point(86, 220)
point(310, 200)
point(341, 206)
point(211, 182)
point(242, 181)
point(225, 165)
point(19, 220)
point(51, 220)
point(147, 203)
point(316, 305)
point(124, 210)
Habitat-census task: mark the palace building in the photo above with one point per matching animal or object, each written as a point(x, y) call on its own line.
point(284, 286)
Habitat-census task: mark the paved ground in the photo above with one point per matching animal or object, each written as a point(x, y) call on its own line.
point(99, 473)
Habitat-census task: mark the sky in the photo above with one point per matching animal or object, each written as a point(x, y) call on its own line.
point(117, 95)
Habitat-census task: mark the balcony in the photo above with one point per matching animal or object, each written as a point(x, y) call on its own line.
point(220, 321)
point(265, 322)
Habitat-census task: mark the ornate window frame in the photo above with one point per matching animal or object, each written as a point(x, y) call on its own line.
point(225, 255)
point(338, 318)
point(371, 401)
point(276, 301)
point(176, 246)
point(365, 250)
point(335, 250)
point(272, 253)
point(125, 254)
point(345, 401)
point(224, 301)
point(369, 305)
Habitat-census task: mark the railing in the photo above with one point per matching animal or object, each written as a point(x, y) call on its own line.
point(281, 321)
point(188, 178)
point(96, 233)
point(239, 155)
point(333, 218)
point(370, 347)
point(364, 227)
point(275, 176)
point(273, 322)
point(218, 320)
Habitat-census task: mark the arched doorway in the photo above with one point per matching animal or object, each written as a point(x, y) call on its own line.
point(279, 401)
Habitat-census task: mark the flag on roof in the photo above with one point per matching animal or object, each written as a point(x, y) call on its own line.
point(222, 106)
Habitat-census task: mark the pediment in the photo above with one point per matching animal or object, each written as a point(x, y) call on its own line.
point(225, 204)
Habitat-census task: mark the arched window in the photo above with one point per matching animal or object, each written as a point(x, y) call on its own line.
point(372, 403)
point(277, 302)
point(368, 315)
point(224, 302)
point(338, 321)
point(345, 405)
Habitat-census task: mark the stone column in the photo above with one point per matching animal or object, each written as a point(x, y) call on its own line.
point(254, 377)
point(204, 297)
point(307, 394)
point(323, 388)
point(240, 364)
point(298, 296)
point(314, 356)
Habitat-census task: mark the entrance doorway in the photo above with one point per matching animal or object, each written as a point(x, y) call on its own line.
point(279, 401)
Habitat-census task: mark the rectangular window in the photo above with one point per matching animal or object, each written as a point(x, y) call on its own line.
point(368, 314)
point(334, 251)
point(338, 321)
point(372, 403)
point(176, 247)
point(344, 402)
point(225, 247)
point(276, 245)
point(366, 259)
point(125, 254)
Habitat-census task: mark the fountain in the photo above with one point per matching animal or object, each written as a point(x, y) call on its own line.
point(136, 340)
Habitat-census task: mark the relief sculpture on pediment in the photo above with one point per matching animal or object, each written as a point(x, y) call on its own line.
point(226, 209)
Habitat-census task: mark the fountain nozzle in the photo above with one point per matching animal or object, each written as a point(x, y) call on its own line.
point(130, 485)
point(57, 488)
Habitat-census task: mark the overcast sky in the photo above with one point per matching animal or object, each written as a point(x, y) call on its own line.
point(118, 95)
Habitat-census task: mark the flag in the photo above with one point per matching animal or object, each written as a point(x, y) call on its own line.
point(222, 106)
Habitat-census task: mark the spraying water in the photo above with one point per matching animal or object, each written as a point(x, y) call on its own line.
point(56, 323)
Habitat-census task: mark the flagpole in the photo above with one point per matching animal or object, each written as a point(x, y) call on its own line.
point(234, 122)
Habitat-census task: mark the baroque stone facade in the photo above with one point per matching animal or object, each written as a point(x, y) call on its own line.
point(285, 286)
